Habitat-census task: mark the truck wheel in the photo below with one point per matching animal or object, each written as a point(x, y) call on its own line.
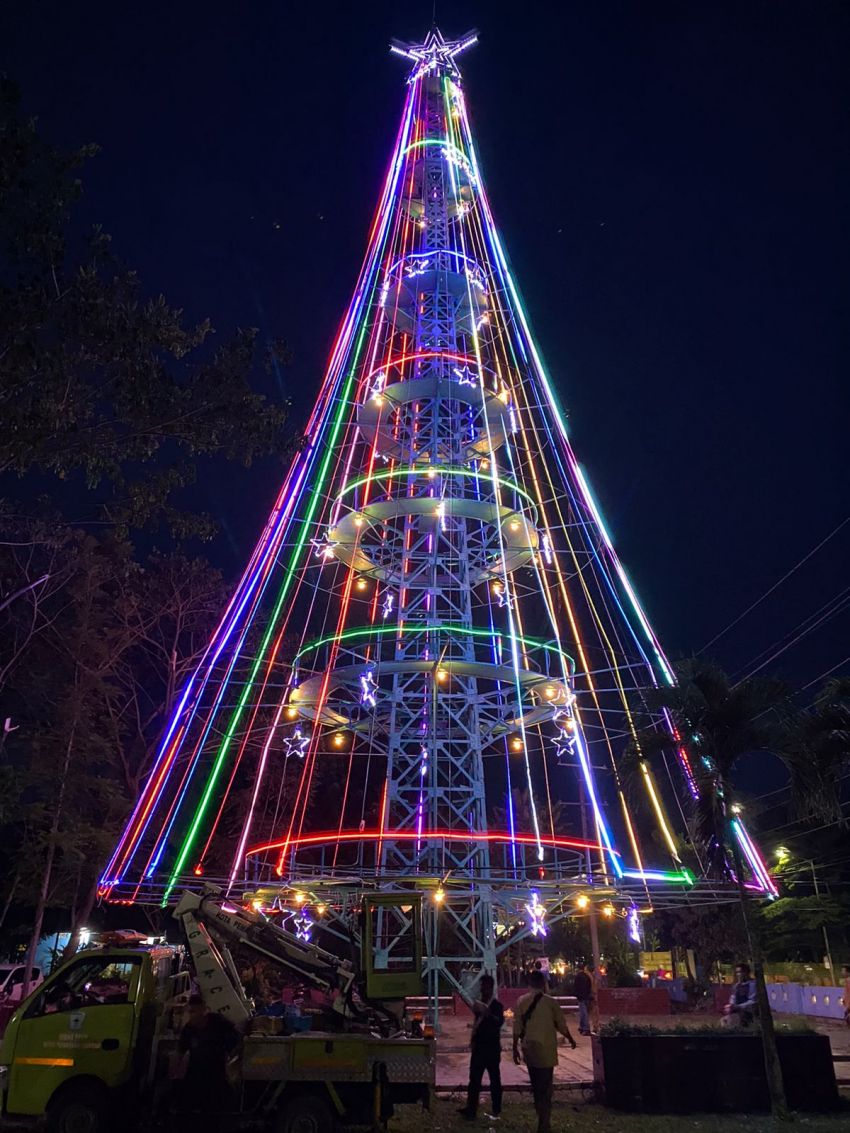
point(78, 1109)
point(307, 1113)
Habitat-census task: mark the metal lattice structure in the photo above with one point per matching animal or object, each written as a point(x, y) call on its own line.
point(428, 673)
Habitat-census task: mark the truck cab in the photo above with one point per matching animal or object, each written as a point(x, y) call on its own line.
point(78, 1038)
point(100, 1035)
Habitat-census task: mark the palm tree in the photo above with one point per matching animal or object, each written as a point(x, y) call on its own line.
point(720, 724)
point(815, 746)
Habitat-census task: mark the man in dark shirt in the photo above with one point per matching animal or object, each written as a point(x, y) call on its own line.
point(742, 1002)
point(486, 1050)
point(583, 991)
point(206, 1042)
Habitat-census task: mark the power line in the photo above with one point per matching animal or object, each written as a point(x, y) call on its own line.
point(827, 611)
point(775, 586)
point(826, 673)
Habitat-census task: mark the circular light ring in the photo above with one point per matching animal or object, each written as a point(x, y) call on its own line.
point(403, 298)
point(448, 258)
point(331, 837)
point(520, 539)
point(312, 695)
point(374, 416)
point(423, 472)
point(529, 644)
point(428, 359)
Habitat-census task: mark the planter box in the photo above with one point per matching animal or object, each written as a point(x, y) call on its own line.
point(708, 1074)
point(634, 1001)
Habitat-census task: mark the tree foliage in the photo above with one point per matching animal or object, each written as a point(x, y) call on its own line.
point(95, 378)
point(110, 404)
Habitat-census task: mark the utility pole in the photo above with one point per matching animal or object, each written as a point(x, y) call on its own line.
point(823, 926)
point(784, 855)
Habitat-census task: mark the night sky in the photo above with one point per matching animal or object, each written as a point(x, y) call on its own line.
point(672, 181)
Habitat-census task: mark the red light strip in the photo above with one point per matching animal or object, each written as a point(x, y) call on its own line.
point(330, 837)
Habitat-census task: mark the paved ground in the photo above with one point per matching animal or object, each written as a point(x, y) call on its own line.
point(575, 1068)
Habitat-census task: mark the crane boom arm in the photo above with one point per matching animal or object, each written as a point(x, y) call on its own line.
point(222, 921)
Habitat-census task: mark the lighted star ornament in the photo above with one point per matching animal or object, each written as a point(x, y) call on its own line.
point(296, 744)
point(536, 913)
point(434, 52)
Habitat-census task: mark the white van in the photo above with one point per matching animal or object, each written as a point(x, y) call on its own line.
point(12, 981)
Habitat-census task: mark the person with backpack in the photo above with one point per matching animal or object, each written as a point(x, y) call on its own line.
point(486, 1049)
point(538, 1020)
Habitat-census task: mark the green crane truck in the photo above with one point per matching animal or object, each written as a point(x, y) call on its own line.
point(93, 1045)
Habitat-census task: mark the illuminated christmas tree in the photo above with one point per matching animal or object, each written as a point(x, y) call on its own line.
point(427, 676)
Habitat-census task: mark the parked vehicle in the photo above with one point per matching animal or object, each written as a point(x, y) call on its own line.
point(12, 982)
point(96, 1042)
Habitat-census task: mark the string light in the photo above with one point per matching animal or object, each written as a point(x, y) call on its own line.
point(230, 709)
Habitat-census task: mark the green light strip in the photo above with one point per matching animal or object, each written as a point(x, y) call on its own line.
point(509, 484)
point(446, 627)
point(284, 591)
point(444, 144)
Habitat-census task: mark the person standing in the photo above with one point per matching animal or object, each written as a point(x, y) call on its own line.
point(206, 1043)
point(845, 999)
point(538, 1020)
point(583, 991)
point(486, 1050)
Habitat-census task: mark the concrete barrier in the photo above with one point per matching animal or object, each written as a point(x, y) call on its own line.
point(786, 998)
point(803, 999)
point(634, 1001)
point(825, 1002)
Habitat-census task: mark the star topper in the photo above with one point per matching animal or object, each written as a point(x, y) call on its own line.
point(434, 52)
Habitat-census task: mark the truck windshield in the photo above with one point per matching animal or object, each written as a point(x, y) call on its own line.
point(96, 981)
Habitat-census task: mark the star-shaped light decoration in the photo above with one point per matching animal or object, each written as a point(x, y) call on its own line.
point(466, 376)
point(435, 52)
point(537, 914)
point(296, 743)
point(634, 925)
point(303, 926)
point(565, 739)
point(323, 548)
point(368, 688)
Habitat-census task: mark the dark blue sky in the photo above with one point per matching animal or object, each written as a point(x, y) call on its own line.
point(672, 181)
